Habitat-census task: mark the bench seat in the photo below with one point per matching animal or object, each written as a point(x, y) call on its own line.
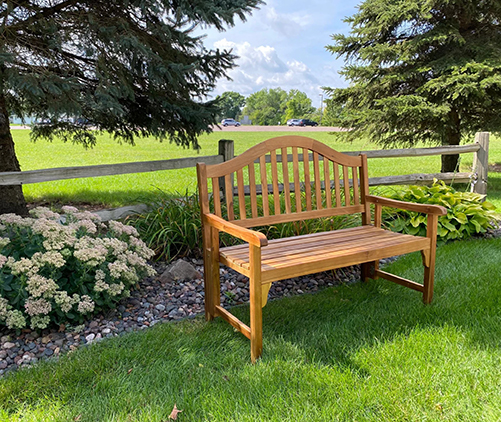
point(300, 255)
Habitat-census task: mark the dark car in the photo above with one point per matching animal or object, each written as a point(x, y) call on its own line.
point(307, 122)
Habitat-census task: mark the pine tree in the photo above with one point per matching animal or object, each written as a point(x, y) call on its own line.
point(130, 68)
point(421, 71)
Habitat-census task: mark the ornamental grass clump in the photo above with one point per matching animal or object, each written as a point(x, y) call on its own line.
point(60, 268)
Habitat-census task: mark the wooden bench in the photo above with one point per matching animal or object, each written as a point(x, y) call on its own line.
point(282, 180)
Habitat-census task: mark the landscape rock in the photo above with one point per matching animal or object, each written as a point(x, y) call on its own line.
point(182, 270)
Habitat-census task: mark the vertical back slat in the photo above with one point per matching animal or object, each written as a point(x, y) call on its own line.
point(356, 197)
point(274, 181)
point(216, 193)
point(318, 187)
point(241, 194)
point(337, 185)
point(364, 190)
point(307, 182)
point(287, 192)
point(327, 183)
point(297, 186)
point(252, 190)
point(346, 180)
point(264, 186)
point(229, 196)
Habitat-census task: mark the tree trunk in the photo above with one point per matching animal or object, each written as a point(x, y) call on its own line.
point(11, 197)
point(450, 163)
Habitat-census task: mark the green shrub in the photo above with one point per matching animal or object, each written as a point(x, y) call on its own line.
point(59, 268)
point(172, 228)
point(466, 214)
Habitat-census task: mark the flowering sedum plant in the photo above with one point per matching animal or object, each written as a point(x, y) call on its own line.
point(62, 267)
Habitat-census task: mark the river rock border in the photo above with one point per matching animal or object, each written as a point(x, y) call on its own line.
point(159, 299)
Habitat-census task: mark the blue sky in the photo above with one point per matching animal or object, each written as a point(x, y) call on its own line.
point(283, 45)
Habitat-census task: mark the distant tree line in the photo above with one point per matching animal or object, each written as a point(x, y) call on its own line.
point(268, 107)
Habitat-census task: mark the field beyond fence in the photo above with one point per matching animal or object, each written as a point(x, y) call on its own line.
point(119, 190)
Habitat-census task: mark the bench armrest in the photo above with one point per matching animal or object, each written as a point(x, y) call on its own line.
point(250, 236)
point(409, 206)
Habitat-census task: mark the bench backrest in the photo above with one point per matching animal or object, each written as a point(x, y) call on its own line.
point(260, 186)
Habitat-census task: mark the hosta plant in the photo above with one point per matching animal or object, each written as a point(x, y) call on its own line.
point(60, 268)
point(466, 215)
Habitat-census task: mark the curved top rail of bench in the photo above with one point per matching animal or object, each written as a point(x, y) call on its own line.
point(257, 151)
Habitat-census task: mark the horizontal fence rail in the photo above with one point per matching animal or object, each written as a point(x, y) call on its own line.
point(415, 179)
point(478, 177)
point(63, 173)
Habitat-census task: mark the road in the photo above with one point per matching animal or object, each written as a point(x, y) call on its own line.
point(277, 128)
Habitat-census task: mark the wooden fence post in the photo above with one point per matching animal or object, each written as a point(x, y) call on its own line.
point(481, 163)
point(226, 148)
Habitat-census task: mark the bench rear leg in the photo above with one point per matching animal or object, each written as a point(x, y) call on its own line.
point(368, 270)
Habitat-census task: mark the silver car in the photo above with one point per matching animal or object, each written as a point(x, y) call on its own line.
point(230, 122)
point(293, 122)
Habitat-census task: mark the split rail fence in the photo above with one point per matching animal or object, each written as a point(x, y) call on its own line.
point(477, 177)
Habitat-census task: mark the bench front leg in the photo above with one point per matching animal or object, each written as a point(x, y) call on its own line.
point(212, 285)
point(369, 269)
point(256, 311)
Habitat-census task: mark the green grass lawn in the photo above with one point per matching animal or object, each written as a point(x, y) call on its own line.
point(133, 188)
point(363, 352)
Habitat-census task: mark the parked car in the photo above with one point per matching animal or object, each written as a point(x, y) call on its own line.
point(293, 122)
point(82, 121)
point(230, 122)
point(307, 122)
point(43, 122)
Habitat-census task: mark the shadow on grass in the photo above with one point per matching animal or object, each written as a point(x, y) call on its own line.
point(331, 325)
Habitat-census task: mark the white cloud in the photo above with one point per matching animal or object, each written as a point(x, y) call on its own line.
point(261, 67)
point(288, 24)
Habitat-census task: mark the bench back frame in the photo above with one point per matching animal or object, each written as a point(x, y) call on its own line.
point(275, 170)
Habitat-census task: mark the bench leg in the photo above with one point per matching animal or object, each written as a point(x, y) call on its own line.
point(368, 270)
point(212, 285)
point(256, 311)
point(429, 275)
point(429, 259)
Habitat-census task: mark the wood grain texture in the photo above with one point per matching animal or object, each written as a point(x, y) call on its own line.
point(285, 172)
point(297, 185)
point(264, 186)
point(252, 190)
point(307, 181)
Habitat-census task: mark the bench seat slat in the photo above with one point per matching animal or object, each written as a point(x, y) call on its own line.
point(322, 251)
